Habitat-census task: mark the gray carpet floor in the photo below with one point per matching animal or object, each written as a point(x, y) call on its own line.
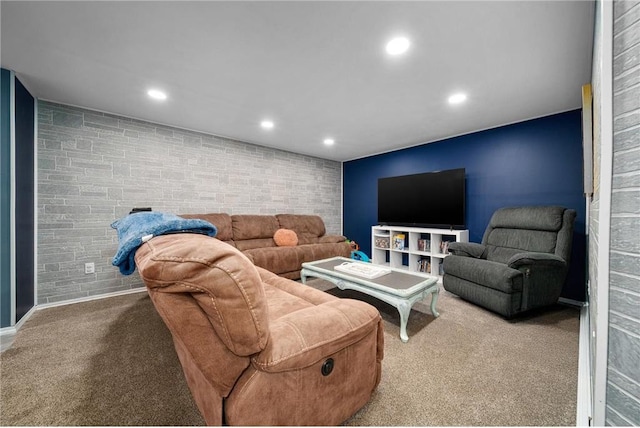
point(112, 362)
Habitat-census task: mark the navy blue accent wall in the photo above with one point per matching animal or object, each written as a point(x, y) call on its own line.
point(25, 281)
point(5, 198)
point(537, 162)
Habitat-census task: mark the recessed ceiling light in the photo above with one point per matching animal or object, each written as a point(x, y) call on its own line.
point(457, 98)
point(157, 94)
point(398, 46)
point(329, 141)
point(267, 124)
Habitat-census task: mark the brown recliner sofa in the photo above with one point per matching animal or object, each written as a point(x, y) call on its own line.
point(253, 235)
point(256, 348)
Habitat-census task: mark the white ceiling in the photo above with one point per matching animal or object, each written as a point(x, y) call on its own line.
point(317, 69)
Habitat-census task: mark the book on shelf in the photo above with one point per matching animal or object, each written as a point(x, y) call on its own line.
point(398, 241)
point(424, 245)
point(424, 265)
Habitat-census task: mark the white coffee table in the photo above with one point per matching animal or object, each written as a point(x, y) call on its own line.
point(398, 288)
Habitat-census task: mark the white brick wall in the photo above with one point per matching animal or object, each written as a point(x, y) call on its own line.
point(623, 372)
point(94, 167)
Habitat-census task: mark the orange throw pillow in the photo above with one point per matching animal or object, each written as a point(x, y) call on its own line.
point(285, 238)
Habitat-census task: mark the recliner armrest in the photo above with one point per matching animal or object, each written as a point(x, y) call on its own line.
point(468, 249)
point(535, 259)
point(302, 338)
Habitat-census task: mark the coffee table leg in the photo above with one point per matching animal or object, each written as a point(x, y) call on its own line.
point(404, 308)
point(434, 300)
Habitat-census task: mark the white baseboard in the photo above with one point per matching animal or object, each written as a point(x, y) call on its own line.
point(584, 406)
point(7, 334)
point(90, 298)
point(571, 302)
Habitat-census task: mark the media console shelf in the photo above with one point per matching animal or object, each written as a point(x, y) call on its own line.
point(417, 249)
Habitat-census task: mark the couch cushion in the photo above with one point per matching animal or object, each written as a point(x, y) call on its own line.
point(253, 226)
point(533, 218)
point(521, 240)
point(522, 229)
point(282, 303)
point(313, 252)
point(305, 226)
point(250, 244)
point(331, 239)
point(276, 259)
point(221, 221)
point(293, 289)
point(500, 254)
point(219, 277)
point(484, 273)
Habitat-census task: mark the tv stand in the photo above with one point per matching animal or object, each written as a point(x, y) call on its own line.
point(416, 249)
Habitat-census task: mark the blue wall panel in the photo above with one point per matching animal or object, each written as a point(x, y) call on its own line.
point(25, 226)
point(537, 162)
point(5, 198)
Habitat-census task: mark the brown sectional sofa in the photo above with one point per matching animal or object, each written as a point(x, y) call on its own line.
point(256, 348)
point(253, 235)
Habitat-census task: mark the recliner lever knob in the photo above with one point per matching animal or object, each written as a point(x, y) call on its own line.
point(327, 367)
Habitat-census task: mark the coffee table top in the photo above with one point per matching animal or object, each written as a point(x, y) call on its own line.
point(398, 282)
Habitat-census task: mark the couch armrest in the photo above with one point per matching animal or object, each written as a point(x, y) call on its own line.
point(468, 249)
point(302, 338)
point(331, 239)
point(535, 259)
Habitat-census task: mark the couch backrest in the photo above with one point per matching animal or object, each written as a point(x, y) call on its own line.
point(220, 278)
point(248, 231)
point(544, 229)
point(254, 231)
point(308, 227)
point(222, 222)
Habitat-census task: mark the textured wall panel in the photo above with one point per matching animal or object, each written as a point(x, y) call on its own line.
point(623, 380)
point(93, 168)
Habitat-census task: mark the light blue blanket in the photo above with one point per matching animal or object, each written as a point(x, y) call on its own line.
point(135, 229)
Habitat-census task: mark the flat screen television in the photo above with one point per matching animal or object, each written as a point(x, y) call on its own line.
point(432, 199)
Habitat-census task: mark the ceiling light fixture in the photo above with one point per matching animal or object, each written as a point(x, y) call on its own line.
point(267, 124)
point(157, 94)
point(329, 141)
point(457, 98)
point(398, 46)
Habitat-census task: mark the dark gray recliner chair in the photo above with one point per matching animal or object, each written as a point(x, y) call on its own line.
point(521, 264)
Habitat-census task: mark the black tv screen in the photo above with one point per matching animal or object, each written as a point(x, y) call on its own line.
point(432, 199)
